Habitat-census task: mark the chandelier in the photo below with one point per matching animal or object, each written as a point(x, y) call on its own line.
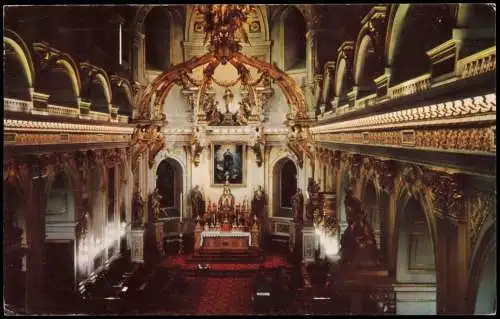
point(224, 28)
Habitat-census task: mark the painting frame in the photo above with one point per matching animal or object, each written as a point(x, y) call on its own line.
point(238, 149)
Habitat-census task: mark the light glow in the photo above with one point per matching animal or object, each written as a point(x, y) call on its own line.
point(91, 246)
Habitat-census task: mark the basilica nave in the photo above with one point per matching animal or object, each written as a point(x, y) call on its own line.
point(249, 159)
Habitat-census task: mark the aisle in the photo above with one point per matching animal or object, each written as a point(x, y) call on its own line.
point(228, 295)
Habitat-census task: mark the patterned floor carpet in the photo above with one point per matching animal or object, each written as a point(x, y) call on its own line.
point(270, 262)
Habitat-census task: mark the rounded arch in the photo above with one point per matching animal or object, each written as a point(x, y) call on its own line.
point(122, 96)
point(99, 93)
point(482, 275)
point(157, 28)
point(285, 184)
point(61, 81)
point(367, 64)
point(413, 30)
point(17, 61)
point(71, 67)
point(413, 209)
point(293, 38)
point(170, 183)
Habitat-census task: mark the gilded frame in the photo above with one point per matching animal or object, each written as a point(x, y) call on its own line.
point(238, 149)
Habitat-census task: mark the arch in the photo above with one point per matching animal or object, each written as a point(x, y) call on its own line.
point(483, 274)
point(365, 63)
point(413, 30)
point(285, 184)
point(153, 97)
point(343, 74)
point(71, 68)
point(157, 28)
point(417, 204)
point(60, 79)
point(293, 38)
point(122, 95)
point(484, 249)
point(169, 181)
point(394, 28)
point(22, 53)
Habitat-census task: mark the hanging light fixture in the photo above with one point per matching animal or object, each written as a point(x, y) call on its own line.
point(223, 24)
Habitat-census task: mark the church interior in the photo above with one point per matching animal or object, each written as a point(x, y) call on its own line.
point(249, 159)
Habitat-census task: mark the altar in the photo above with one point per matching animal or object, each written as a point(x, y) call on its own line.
point(217, 240)
point(227, 228)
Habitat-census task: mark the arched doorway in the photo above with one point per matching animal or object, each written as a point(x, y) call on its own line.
point(415, 261)
point(284, 187)
point(170, 185)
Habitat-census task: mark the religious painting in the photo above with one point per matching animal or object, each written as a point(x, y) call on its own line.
point(228, 164)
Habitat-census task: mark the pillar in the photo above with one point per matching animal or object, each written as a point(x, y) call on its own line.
point(33, 186)
point(139, 56)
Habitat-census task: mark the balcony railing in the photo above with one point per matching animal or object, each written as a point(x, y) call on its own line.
point(16, 105)
point(476, 64)
point(410, 87)
point(62, 110)
point(98, 116)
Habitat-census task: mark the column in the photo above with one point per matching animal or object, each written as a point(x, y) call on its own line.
point(34, 191)
point(320, 43)
point(139, 58)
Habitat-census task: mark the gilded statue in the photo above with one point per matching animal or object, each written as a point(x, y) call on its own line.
point(258, 202)
point(155, 200)
point(138, 209)
point(226, 200)
point(358, 245)
point(197, 202)
point(298, 206)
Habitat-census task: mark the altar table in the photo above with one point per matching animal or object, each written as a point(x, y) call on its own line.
point(218, 240)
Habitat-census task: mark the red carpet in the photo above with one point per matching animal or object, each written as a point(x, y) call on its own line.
point(224, 296)
point(270, 262)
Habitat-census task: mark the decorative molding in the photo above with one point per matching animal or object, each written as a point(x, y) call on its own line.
point(44, 126)
point(447, 195)
point(471, 107)
point(481, 205)
point(450, 139)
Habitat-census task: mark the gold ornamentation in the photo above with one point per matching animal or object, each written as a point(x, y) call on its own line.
point(481, 205)
point(473, 139)
point(447, 195)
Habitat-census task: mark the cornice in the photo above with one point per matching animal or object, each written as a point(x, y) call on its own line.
point(46, 126)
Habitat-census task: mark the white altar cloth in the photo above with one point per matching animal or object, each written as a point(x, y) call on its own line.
point(225, 234)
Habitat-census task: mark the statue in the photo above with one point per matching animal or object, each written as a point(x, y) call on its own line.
point(258, 202)
point(226, 200)
point(314, 199)
point(228, 163)
point(137, 209)
point(197, 201)
point(155, 200)
point(358, 244)
point(298, 206)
